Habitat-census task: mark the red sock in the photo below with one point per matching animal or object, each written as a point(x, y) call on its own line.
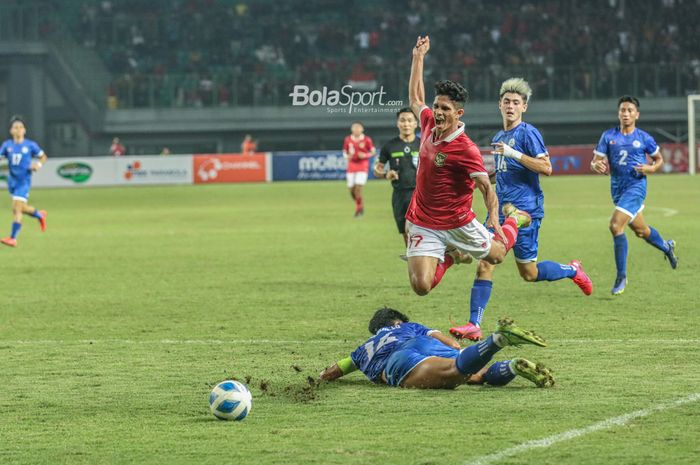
point(441, 268)
point(358, 203)
point(510, 231)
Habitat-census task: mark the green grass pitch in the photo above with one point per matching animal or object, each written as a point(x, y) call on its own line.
point(117, 322)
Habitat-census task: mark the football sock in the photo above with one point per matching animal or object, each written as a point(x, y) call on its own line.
point(499, 374)
point(552, 271)
point(441, 268)
point(510, 231)
point(36, 214)
point(656, 240)
point(481, 293)
point(15, 229)
point(621, 254)
point(358, 203)
point(474, 358)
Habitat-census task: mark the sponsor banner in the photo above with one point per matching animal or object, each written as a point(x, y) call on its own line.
point(154, 170)
point(306, 166)
point(75, 172)
point(231, 168)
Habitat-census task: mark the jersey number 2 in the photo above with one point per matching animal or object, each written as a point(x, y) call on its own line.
point(623, 157)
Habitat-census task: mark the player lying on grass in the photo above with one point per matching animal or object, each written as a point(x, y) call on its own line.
point(410, 355)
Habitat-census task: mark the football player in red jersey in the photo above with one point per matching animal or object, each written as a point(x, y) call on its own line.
point(357, 150)
point(441, 225)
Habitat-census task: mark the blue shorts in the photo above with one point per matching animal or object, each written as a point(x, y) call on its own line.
point(525, 248)
point(19, 188)
point(630, 201)
point(411, 354)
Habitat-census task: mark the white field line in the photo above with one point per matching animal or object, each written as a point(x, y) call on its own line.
point(215, 342)
point(578, 432)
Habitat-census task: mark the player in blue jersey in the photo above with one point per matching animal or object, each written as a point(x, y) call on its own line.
point(24, 156)
point(410, 355)
point(521, 157)
point(622, 152)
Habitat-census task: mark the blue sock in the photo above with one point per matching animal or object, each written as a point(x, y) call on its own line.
point(474, 358)
point(481, 293)
point(657, 241)
point(15, 229)
point(499, 374)
point(552, 271)
point(621, 254)
point(36, 214)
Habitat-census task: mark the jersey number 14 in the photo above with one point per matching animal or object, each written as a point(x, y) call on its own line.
point(371, 350)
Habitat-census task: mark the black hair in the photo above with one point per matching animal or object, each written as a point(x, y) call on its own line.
point(454, 91)
point(630, 99)
point(385, 317)
point(14, 119)
point(404, 110)
point(357, 122)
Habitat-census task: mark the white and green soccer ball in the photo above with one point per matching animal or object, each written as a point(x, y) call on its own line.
point(230, 400)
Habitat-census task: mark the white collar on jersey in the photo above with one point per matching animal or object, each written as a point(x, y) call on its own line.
point(450, 137)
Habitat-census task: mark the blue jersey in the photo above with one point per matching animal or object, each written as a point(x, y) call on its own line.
point(19, 157)
point(371, 357)
point(624, 152)
point(514, 182)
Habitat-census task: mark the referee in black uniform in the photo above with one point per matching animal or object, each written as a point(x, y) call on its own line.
point(401, 154)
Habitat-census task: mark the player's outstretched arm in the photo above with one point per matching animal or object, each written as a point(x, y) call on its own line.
point(416, 88)
point(339, 369)
point(447, 340)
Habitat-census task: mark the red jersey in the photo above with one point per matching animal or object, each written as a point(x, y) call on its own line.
point(444, 185)
point(353, 148)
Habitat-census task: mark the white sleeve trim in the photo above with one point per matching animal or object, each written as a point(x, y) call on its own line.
point(543, 154)
point(433, 331)
point(422, 108)
point(478, 173)
point(656, 152)
point(599, 154)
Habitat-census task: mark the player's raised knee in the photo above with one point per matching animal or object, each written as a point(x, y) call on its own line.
point(421, 285)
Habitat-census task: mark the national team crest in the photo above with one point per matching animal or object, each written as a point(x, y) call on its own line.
point(511, 142)
point(636, 144)
point(440, 159)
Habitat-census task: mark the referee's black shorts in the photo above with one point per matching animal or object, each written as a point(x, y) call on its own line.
point(400, 200)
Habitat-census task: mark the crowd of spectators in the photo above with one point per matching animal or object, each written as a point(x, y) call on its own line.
point(225, 52)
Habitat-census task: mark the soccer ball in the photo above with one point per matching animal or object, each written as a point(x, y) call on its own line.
point(230, 400)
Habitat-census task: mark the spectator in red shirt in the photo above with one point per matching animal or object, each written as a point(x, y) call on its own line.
point(117, 149)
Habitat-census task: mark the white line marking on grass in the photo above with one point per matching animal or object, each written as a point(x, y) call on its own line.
point(216, 342)
point(666, 212)
point(576, 433)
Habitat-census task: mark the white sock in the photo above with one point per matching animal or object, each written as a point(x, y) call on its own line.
point(499, 340)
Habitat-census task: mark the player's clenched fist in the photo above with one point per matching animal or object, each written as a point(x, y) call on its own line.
point(422, 46)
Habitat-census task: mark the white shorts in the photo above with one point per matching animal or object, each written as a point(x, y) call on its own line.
point(358, 178)
point(473, 238)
